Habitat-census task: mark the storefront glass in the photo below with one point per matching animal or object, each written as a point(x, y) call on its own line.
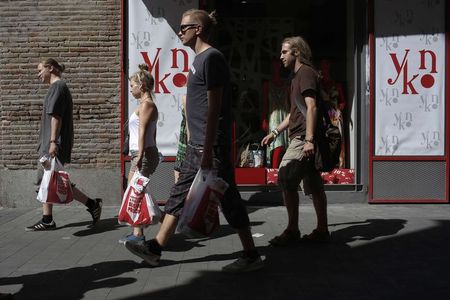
point(250, 34)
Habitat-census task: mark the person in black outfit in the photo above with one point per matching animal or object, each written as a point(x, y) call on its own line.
point(208, 111)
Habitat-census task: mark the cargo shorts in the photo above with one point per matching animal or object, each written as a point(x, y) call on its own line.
point(295, 168)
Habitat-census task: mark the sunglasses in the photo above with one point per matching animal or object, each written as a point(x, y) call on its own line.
point(186, 27)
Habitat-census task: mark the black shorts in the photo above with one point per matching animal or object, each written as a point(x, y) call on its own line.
point(233, 207)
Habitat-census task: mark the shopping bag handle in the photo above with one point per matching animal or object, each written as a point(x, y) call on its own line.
point(56, 165)
point(207, 173)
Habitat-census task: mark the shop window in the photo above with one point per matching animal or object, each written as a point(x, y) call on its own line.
point(249, 34)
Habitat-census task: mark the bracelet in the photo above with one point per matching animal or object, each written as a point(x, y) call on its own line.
point(309, 141)
point(54, 142)
point(275, 132)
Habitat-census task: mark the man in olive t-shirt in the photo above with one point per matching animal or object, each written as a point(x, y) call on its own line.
point(297, 164)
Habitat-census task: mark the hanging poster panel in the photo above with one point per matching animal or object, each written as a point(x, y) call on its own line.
point(409, 77)
point(152, 39)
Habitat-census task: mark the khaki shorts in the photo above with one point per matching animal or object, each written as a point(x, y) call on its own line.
point(295, 168)
point(149, 162)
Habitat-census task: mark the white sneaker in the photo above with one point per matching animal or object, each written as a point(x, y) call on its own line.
point(244, 264)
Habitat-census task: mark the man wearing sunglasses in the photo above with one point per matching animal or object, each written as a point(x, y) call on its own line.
point(208, 109)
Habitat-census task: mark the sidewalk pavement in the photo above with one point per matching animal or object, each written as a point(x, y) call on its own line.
point(377, 252)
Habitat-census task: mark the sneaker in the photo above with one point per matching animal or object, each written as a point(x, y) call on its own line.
point(317, 237)
point(96, 212)
point(244, 264)
point(41, 226)
point(132, 239)
point(143, 252)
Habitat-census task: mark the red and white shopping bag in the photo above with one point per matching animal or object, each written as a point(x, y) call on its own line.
point(55, 186)
point(200, 215)
point(138, 207)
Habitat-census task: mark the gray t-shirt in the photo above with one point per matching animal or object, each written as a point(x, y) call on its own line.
point(58, 101)
point(209, 70)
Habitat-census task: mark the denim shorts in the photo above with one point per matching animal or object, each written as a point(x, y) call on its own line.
point(149, 162)
point(233, 207)
point(295, 168)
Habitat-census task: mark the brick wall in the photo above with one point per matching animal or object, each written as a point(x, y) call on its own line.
point(85, 36)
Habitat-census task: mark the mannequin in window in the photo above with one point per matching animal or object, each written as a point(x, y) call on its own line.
point(333, 93)
point(275, 93)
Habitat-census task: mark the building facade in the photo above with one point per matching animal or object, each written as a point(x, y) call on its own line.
point(85, 36)
point(357, 45)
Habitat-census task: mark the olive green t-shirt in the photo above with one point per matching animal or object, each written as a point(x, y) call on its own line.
point(305, 82)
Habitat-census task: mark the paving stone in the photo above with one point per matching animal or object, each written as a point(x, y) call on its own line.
point(377, 252)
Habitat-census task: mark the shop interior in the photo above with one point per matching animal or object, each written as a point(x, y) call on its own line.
point(249, 33)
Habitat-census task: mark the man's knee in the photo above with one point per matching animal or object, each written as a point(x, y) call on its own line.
point(287, 180)
point(319, 196)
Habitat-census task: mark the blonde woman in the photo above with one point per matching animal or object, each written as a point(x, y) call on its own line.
point(142, 129)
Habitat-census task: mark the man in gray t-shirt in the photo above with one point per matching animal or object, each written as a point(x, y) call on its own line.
point(56, 138)
point(208, 71)
point(58, 102)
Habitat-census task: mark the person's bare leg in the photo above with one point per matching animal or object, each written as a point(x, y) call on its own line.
point(47, 209)
point(79, 195)
point(138, 231)
point(292, 232)
point(245, 235)
point(166, 230)
point(291, 201)
point(320, 206)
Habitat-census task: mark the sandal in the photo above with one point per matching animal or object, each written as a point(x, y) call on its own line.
point(317, 236)
point(286, 238)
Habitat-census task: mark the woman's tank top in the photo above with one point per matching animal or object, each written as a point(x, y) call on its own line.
point(133, 129)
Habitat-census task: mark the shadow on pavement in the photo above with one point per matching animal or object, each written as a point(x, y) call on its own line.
point(366, 260)
point(179, 243)
point(366, 230)
point(103, 225)
point(74, 282)
point(404, 266)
